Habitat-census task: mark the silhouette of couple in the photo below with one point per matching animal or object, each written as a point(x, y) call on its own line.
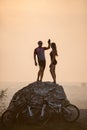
point(40, 53)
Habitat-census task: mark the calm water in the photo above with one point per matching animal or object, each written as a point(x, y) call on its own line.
point(76, 92)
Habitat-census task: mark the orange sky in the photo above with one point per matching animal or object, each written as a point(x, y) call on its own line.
point(24, 22)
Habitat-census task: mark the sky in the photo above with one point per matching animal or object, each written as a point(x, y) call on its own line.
point(24, 22)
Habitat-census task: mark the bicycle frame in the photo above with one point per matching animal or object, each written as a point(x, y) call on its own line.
point(57, 108)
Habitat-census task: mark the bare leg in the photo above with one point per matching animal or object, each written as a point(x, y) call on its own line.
point(52, 70)
point(41, 74)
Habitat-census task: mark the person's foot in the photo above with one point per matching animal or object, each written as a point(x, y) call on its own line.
point(40, 80)
point(54, 82)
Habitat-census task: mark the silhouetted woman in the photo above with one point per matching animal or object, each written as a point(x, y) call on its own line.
point(53, 55)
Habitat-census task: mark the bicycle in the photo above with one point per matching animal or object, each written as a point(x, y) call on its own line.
point(23, 111)
point(68, 111)
point(27, 112)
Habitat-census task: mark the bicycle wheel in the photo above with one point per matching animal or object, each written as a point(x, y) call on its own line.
point(44, 120)
point(71, 113)
point(38, 120)
point(8, 118)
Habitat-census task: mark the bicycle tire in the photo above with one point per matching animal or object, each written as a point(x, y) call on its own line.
point(8, 118)
point(38, 120)
point(71, 113)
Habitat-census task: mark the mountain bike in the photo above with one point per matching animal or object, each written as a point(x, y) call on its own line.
point(68, 111)
point(24, 111)
point(27, 112)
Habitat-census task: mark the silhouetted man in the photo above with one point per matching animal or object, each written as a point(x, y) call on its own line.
point(39, 52)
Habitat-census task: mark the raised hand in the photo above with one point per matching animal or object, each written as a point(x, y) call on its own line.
point(49, 41)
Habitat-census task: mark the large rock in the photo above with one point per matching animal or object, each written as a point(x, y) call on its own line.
point(35, 92)
point(26, 104)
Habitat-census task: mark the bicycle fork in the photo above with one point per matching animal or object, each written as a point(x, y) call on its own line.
point(43, 110)
point(59, 106)
point(29, 111)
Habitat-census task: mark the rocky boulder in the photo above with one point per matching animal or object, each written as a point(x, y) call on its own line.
point(30, 100)
point(35, 92)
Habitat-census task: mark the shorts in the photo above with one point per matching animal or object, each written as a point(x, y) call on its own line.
point(42, 63)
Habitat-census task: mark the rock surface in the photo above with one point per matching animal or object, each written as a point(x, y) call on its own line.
point(35, 92)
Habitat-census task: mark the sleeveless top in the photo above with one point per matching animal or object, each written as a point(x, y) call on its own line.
point(55, 61)
point(40, 53)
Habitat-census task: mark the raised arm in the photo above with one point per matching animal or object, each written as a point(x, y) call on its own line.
point(46, 48)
